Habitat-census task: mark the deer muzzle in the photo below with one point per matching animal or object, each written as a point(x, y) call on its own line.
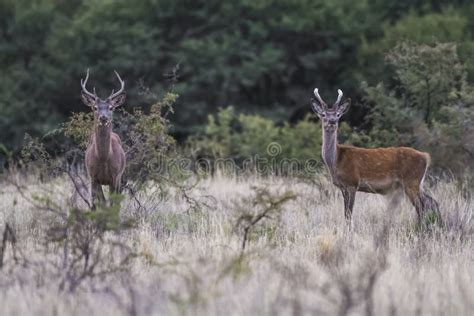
point(103, 120)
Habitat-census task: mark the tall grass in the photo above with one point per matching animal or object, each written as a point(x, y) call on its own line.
point(300, 260)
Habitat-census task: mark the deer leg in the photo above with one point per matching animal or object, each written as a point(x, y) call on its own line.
point(393, 202)
point(116, 187)
point(416, 199)
point(349, 197)
point(97, 194)
point(429, 204)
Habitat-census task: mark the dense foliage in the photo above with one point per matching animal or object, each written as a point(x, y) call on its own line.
point(428, 105)
point(253, 141)
point(262, 57)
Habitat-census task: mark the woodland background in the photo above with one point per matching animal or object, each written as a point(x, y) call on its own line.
point(245, 70)
point(231, 81)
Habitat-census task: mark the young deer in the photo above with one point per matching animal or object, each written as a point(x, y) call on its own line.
point(105, 157)
point(377, 170)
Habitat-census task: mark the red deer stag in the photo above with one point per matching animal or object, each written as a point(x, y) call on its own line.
point(105, 157)
point(377, 170)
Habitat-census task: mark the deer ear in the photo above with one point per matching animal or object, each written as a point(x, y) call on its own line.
point(317, 107)
point(118, 100)
point(88, 100)
point(343, 107)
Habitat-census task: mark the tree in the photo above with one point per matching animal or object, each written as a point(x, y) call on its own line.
point(428, 103)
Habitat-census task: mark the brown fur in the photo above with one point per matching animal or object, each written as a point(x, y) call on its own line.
point(105, 157)
point(377, 170)
point(105, 161)
point(382, 171)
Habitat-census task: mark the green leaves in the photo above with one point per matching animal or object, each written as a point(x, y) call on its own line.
point(262, 57)
point(79, 128)
point(256, 55)
point(253, 137)
point(427, 104)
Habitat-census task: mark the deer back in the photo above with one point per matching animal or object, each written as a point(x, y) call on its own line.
point(382, 167)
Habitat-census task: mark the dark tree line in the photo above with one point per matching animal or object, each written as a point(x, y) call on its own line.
point(262, 57)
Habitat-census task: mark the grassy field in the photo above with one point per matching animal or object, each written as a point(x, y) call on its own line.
point(301, 259)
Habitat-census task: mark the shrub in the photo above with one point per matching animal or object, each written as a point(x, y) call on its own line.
point(427, 105)
point(145, 137)
point(285, 149)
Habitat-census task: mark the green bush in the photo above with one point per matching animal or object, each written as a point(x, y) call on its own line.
point(427, 104)
point(145, 137)
point(245, 138)
point(448, 25)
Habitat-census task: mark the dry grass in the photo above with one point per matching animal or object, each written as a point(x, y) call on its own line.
point(301, 261)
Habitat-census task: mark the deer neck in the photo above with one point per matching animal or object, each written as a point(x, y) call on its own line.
point(102, 139)
point(329, 151)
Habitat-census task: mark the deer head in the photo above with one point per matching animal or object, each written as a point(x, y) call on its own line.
point(330, 116)
point(103, 109)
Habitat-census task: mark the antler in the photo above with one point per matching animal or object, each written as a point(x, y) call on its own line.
point(316, 94)
point(83, 85)
point(339, 97)
point(122, 86)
